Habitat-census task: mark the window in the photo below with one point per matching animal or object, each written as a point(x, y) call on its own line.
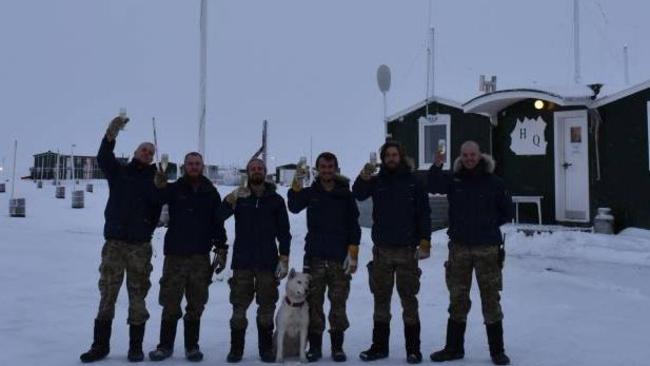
point(434, 131)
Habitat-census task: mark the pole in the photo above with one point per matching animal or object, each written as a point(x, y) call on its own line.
point(626, 66)
point(74, 182)
point(576, 42)
point(13, 172)
point(55, 176)
point(432, 68)
point(155, 139)
point(203, 65)
point(385, 117)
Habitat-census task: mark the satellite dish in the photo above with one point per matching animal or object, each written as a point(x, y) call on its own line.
point(383, 78)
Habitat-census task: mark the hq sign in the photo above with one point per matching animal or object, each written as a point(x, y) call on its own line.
point(527, 138)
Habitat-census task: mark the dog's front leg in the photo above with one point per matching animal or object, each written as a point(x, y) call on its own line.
point(304, 328)
point(279, 352)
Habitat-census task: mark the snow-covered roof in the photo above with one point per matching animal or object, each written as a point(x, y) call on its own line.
point(620, 94)
point(566, 95)
point(423, 103)
point(491, 103)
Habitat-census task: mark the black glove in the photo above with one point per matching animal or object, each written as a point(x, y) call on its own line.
point(502, 255)
point(220, 259)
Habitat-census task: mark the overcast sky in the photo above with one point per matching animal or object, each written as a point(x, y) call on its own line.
point(67, 66)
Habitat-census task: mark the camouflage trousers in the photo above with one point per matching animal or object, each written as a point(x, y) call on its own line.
point(328, 276)
point(188, 276)
point(134, 259)
point(246, 286)
point(395, 266)
point(462, 261)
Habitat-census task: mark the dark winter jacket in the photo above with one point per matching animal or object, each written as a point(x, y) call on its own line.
point(195, 224)
point(401, 214)
point(332, 219)
point(259, 222)
point(478, 202)
point(133, 208)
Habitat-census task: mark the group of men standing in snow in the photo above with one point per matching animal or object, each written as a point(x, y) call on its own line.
point(401, 234)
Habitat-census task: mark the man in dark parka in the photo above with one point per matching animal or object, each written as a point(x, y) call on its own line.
point(401, 234)
point(131, 215)
point(478, 205)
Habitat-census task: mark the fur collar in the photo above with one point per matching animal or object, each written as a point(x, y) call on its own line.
point(487, 163)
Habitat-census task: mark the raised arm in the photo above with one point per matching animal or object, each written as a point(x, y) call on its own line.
point(423, 212)
point(297, 200)
point(106, 158)
point(219, 231)
point(438, 181)
point(354, 230)
point(504, 203)
point(282, 225)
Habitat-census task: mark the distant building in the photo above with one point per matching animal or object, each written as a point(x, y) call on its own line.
point(85, 167)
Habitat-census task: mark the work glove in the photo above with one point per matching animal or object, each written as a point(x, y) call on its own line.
point(115, 126)
point(239, 192)
point(368, 171)
point(282, 269)
point(423, 250)
point(352, 259)
point(160, 179)
point(220, 259)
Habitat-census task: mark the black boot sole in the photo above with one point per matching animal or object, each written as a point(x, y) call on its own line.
point(373, 357)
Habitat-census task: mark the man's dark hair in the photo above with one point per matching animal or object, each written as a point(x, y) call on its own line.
point(388, 145)
point(258, 160)
point(193, 153)
point(327, 156)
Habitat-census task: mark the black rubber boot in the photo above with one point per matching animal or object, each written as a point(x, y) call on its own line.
point(495, 340)
point(412, 338)
point(379, 347)
point(237, 339)
point(338, 355)
point(192, 351)
point(165, 348)
point(101, 340)
point(455, 347)
point(315, 352)
point(136, 335)
point(265, 343)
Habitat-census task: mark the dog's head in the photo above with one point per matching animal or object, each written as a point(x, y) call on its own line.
point(297, 286)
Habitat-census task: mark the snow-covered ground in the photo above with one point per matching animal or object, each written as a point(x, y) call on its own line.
point(569, 298)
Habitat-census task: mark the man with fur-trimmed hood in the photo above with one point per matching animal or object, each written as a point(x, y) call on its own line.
point(478, 205)
point(260, 258)
point(331, 250)
point(401, 234)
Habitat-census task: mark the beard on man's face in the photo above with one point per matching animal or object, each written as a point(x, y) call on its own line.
point(256, 178)
point(391, 165)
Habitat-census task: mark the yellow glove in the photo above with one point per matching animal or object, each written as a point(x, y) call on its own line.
point(424, 250)
point(367, 171)
point(296, 184)
point(282, 269)
point(114, 128)
point(351, 261)
point(160, 179)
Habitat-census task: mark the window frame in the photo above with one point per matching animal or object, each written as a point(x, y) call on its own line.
point(433, 120)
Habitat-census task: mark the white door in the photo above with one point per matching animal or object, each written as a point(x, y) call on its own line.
point(571, 166)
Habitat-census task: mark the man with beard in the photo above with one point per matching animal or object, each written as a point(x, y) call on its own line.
point(195, 227)
point(331, 250)
point(478, 205)
point(261, 221)
point(131, 215)
point(401, 234)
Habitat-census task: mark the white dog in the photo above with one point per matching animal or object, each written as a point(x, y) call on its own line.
point(292, 319)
